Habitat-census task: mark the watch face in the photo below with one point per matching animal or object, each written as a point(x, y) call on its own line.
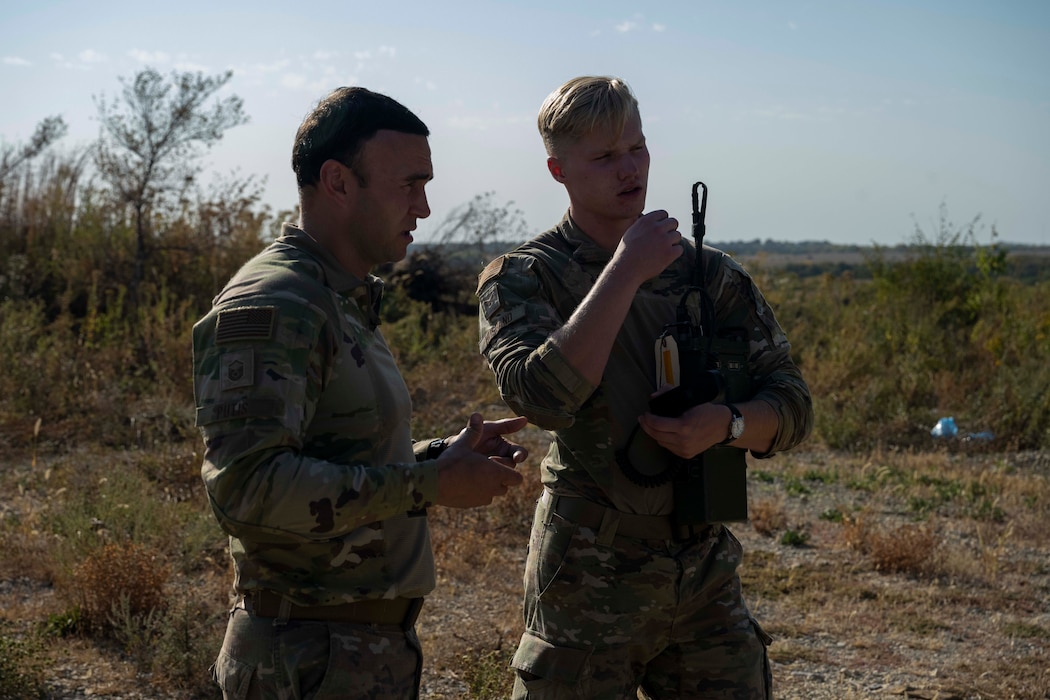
point(737, 427)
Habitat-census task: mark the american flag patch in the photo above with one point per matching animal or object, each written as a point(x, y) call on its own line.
point(248, 323)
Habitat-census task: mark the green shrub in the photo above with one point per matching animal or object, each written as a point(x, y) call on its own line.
point(22, 664)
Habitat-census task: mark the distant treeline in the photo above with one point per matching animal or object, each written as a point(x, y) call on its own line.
point(1026, 263)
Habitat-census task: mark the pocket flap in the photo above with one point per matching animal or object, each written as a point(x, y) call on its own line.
point(555, 663)
point(232, 676)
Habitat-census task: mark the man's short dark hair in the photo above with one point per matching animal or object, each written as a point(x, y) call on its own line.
point(341, 124)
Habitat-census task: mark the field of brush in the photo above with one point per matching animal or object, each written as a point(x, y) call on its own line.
point(884, 562)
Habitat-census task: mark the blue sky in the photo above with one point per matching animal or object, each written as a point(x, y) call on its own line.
point(846, 121)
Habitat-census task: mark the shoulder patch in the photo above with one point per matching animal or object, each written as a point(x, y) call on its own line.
point(491, 270)
point(245, 323)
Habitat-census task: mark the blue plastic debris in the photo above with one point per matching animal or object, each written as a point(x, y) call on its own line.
point(945, 428)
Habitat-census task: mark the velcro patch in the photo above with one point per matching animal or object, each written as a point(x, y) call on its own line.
point(236, 369)
point(246, 323)
point(489, 300)
point(494, 268)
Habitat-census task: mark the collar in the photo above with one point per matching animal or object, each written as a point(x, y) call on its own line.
point(367, 293)
point(585, 250)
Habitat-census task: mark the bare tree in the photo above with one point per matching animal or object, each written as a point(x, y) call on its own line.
point(482, 223)
point(48, 131)
point(152, 139)
point(443, 275)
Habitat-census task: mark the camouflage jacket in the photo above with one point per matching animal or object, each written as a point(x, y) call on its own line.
point(308, 463)
point(530, 292)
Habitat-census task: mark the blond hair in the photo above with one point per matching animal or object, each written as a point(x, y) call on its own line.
point(582, 105)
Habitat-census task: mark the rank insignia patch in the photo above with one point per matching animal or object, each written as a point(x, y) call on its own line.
point(489, 300)
point(236, 369)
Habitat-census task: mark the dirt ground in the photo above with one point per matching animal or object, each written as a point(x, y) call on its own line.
point(976, 625)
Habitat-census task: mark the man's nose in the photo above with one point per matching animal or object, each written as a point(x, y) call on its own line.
point(420, 207)
point(628, 166)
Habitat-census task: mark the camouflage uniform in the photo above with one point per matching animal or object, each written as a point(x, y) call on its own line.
point(310, 468)
point(615, 598)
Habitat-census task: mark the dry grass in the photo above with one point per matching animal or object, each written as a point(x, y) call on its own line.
point(884, 601)
point(124, 579)
point(921, 572)
point(925, 571)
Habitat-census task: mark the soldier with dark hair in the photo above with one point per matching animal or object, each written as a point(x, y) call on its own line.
point(309, 463)
point(619, 595)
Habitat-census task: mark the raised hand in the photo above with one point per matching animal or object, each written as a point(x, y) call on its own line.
point(651, 244)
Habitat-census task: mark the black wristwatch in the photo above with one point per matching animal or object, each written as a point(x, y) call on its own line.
point(435, 448)
point(736, 425)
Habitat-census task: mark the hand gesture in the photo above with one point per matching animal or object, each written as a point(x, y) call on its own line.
point(479, 463)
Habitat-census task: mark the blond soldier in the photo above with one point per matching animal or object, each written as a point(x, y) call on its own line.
point(618, 594)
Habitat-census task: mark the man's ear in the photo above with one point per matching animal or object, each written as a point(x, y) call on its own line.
point(333, 179)
point(554, 166)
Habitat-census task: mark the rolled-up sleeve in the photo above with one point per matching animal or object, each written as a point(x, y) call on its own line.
point(515, 325)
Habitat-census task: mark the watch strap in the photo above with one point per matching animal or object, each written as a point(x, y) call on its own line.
point(435, 448)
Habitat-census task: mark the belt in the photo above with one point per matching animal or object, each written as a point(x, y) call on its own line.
point(610, 522)
point(396, 611)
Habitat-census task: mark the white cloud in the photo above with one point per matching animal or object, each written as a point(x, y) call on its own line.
point(477, 122)
point(88, 56)
point(470, 123)
point(317, 86)
point(792, 26)
point(429, 85)
point(819, 113)
point(15, 61)
point(318, 71)
point(638, 22)
point(191, 67)
point(156, 57)
point(293, 81)
point(264, 68)
point(778, 112)
point(83, 61)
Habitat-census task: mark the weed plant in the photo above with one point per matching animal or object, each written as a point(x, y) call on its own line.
point(22, 666)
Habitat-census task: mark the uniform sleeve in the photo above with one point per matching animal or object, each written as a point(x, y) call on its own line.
point(258, 374)
point(777, 378)
point(515, 324)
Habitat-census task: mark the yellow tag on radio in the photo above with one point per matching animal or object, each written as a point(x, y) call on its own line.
point(668, 372)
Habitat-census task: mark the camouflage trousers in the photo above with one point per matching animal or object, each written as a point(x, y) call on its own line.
point(607, 616)
point(262, 659)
